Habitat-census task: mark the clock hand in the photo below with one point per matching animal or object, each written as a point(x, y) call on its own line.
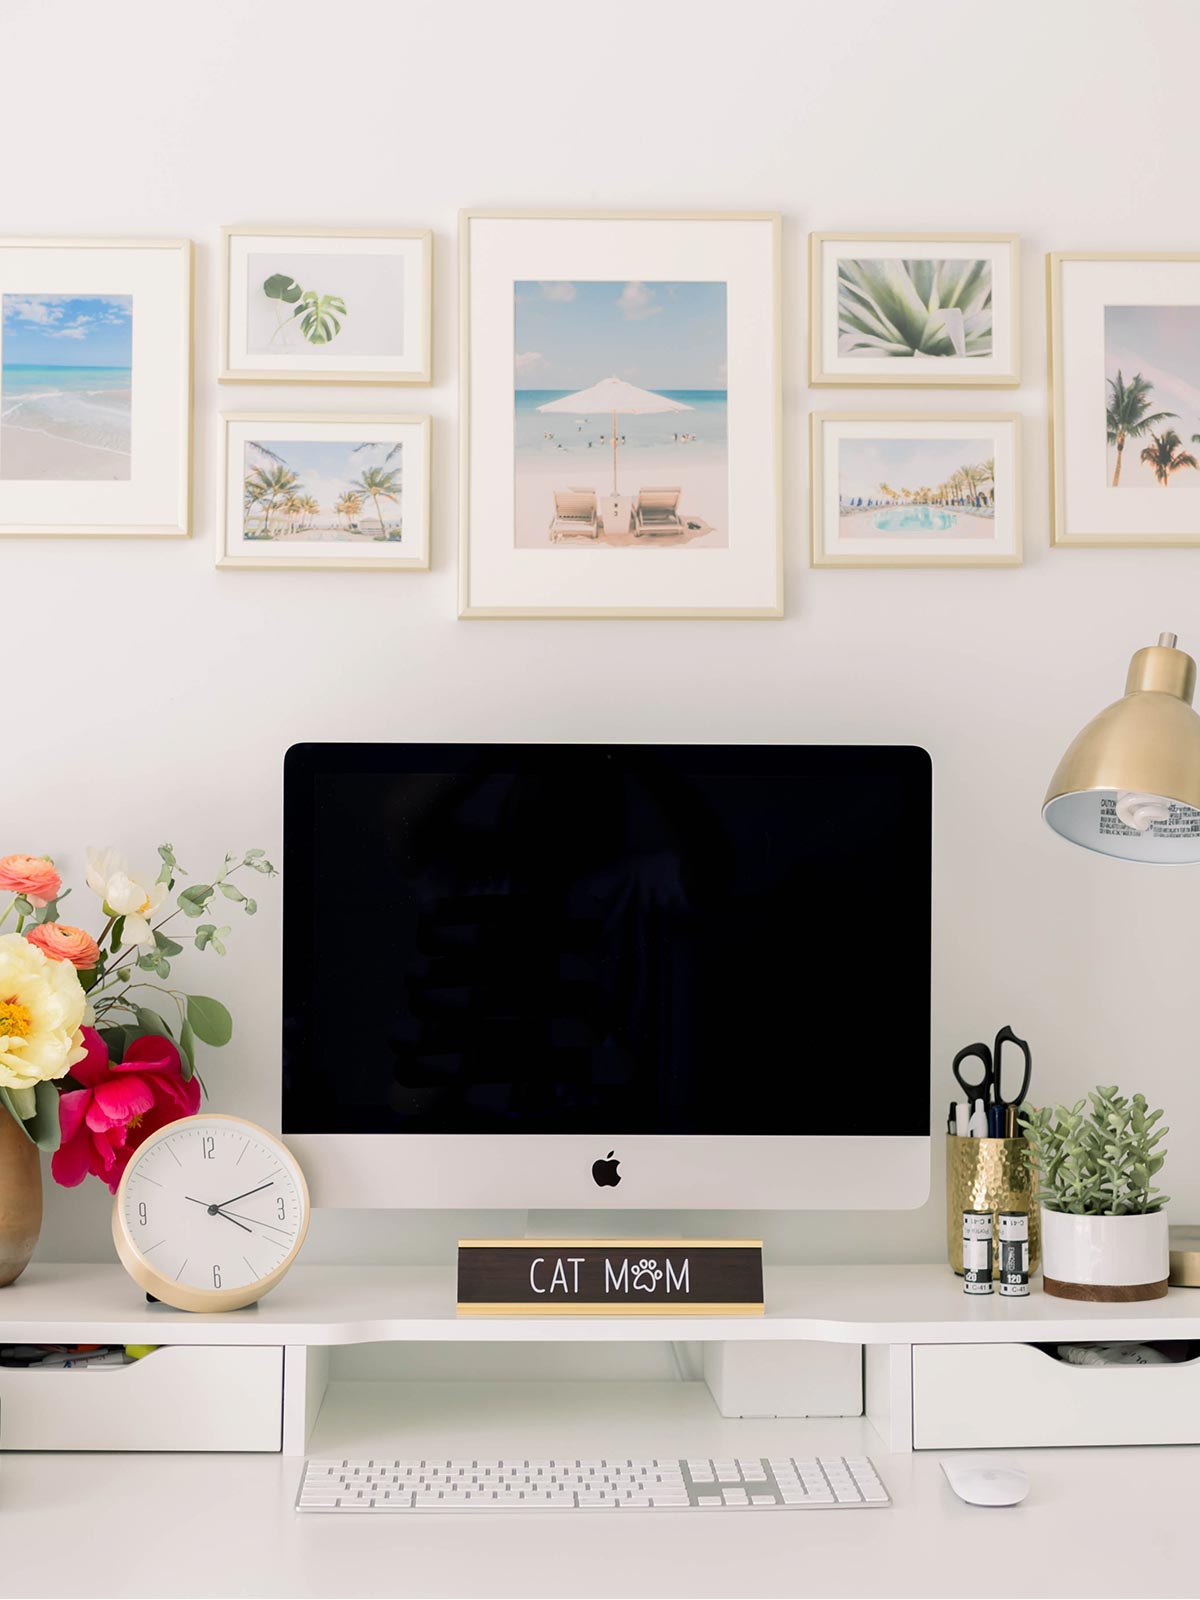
point(269, 1184)
point(259, 1222)
point(215, 1211)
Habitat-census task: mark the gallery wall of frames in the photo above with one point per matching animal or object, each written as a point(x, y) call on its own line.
point(620, 402)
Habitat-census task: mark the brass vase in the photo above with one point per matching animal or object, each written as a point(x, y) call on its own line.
point(988, 1175)
point(20, 1199)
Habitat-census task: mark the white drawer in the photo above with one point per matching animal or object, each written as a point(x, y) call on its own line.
point(979, 1396)
point(181, 1397)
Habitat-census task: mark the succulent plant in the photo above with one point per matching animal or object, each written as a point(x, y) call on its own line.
point(1098, 1163)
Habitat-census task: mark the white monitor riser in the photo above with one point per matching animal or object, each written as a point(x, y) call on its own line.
point(657, 1172)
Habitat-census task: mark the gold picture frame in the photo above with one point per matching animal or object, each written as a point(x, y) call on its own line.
point(821, 553)
point(305, 561)
point(1005, 247)
point(1060, 536)
point(129, 527)
point(469, 608)
point(420, 373)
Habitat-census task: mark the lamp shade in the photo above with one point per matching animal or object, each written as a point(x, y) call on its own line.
point(1129, 786)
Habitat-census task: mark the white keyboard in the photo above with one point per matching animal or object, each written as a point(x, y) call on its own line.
point(775, 1483)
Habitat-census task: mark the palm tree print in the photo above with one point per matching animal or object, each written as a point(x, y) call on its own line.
point(1166, 455)
point(380, 483)
point(1129, 415)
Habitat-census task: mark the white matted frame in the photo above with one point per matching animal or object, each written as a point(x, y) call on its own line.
point(234, 551)
point(601, 248)
point(412, 246)
point(828, 367)
point(830, 428)
point(1085, 509)
point(155, 501)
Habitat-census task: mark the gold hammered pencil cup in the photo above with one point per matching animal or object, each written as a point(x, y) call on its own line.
point(988, 1175)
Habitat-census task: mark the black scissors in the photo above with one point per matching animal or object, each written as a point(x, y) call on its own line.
point(988, 1089)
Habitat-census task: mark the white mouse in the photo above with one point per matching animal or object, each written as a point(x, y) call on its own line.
point(982, 1485)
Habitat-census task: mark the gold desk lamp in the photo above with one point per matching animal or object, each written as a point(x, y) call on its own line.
point(1129, 786)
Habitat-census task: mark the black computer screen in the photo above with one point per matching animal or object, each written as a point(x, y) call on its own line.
point(598, 938)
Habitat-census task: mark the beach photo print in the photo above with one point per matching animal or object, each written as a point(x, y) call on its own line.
point(887, 309)
point(301, 491)
point(602, 458)
point(94, 388)
point(325, 306)
point(915, 491)
point(621, 443)
point(1125, 361)
point(66, 386)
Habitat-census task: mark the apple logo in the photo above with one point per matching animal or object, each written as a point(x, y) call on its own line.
point(604, 1172)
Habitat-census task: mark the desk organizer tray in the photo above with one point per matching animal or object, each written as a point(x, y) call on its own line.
point(1011, 1396)
point(180, 1397)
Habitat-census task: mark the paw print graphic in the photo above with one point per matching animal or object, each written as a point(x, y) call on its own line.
point(646, 1274)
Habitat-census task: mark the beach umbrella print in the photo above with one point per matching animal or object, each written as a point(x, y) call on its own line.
point(615, 395)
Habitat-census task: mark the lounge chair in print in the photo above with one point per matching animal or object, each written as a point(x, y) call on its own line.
point(574, 515)
point(657, 511)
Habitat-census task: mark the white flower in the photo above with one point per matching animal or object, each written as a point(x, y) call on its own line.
point(109, 876)
point(41, 1009)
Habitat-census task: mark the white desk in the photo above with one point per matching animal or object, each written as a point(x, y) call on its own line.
point(95, 1525)
point(224, 1525)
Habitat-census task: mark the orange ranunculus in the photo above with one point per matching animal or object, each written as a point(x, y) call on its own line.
point(32, 876)
point(63, 943)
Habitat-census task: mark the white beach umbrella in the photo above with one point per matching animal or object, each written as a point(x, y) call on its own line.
point(615, 395)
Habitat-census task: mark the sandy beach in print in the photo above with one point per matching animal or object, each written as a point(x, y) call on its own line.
point(664, 347)
point(325, 492)
point(66, 387)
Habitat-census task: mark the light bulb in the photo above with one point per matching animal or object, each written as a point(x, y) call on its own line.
point(1141, 811)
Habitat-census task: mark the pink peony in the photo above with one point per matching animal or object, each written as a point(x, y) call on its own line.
point(120, 1105)
point(64, 943)
point(31, 876)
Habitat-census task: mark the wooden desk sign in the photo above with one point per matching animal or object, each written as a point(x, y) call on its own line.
point(610, 1277)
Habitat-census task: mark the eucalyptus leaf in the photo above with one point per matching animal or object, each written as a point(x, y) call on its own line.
point(165, 946)
point(187, 1048)
point(194, 899)
point(210, 1020)
point(231, 891)
point(151, 1022)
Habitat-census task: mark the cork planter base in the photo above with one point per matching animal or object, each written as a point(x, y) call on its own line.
point(1105, 1258)
point(1104, 1291)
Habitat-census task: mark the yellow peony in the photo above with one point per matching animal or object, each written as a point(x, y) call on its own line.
point(41, 1009)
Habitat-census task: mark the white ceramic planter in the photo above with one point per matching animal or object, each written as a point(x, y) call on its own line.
point(1105, 1258)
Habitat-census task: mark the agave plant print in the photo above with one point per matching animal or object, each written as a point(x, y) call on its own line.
point(326, 307)
point(914, 309)
point(922, 307)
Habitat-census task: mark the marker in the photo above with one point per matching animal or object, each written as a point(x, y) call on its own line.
point(995, 1118)
point(978, 1125)
point(962, 1118)
point(952, 1118)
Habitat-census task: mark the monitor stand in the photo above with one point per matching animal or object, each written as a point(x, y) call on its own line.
point(598, 1225)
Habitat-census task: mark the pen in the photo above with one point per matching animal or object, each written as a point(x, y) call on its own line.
point(995, 1118)
point(952, 1119)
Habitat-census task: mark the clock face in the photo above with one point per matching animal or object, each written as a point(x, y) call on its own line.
point(213, 1204)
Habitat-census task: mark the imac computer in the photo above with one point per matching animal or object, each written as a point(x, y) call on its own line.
point(623, 976)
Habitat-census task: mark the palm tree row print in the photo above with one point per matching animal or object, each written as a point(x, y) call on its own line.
point(322, 491)
point(1152, 395)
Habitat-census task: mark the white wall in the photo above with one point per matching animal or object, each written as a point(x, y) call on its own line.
point(149, 696)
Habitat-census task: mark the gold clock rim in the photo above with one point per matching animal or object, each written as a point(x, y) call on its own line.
point(182, 1297)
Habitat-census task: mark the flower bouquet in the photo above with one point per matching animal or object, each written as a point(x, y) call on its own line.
point(89, 1063)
